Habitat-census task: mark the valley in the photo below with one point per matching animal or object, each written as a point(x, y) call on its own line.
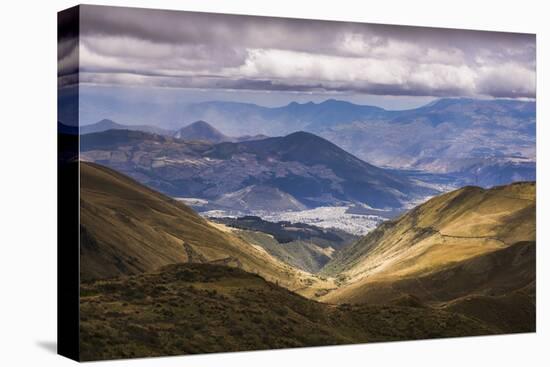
point(253, 182)
point(195, 241)
point(159, 279)
point(127, 228)
point(300, 245)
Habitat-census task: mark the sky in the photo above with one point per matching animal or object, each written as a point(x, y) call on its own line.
point(193, 57)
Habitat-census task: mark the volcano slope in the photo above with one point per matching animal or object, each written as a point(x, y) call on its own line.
point(470, 250)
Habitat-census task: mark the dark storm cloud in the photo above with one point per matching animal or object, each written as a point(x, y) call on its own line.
point(201, 50)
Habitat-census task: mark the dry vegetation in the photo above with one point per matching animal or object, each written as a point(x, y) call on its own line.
point(159, 280)
point(445, 231)
point(200, 308)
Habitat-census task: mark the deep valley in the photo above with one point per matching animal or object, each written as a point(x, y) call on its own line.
point(159, 279)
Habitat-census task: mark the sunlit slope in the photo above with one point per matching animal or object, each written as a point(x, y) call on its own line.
point(445, 231)
point(127, 228)
point(497, 288)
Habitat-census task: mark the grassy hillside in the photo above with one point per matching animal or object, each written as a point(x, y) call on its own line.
point(201, 308)
point(495, 273)
point(446, 229)
point(158, 279)
point(127, 228)
point(471, 251)
point(497, 288)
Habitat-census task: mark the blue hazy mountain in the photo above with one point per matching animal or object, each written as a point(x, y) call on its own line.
point(332, 113)
point(107, 124)
point(488, 142)
point(295, 171)
point(354, 181)
point(466, 111)
point(200, 130)
point(247, 118)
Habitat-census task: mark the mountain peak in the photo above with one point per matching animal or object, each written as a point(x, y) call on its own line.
point(305, 140)
point(303, 134)
point(106, 123)
point(201, 124)
point(200, 130)
point(100, 126)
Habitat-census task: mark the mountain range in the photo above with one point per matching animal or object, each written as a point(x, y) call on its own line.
point(482, 142)
point(475, 141)
point(287, 173)
point(196, 131)
point(159, 279)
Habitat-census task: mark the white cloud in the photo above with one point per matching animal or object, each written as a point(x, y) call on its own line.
point(505, 80)
point(183, 49)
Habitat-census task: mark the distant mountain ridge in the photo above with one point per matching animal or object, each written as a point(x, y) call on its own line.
point(203, 131)
point(332, 112)
point(244, 118)
point(476, 141)
point(196, 131)
point(107, 124)
point(300, 169)
point(473, 139)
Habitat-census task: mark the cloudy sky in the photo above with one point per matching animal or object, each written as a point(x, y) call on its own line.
point(215, 53)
